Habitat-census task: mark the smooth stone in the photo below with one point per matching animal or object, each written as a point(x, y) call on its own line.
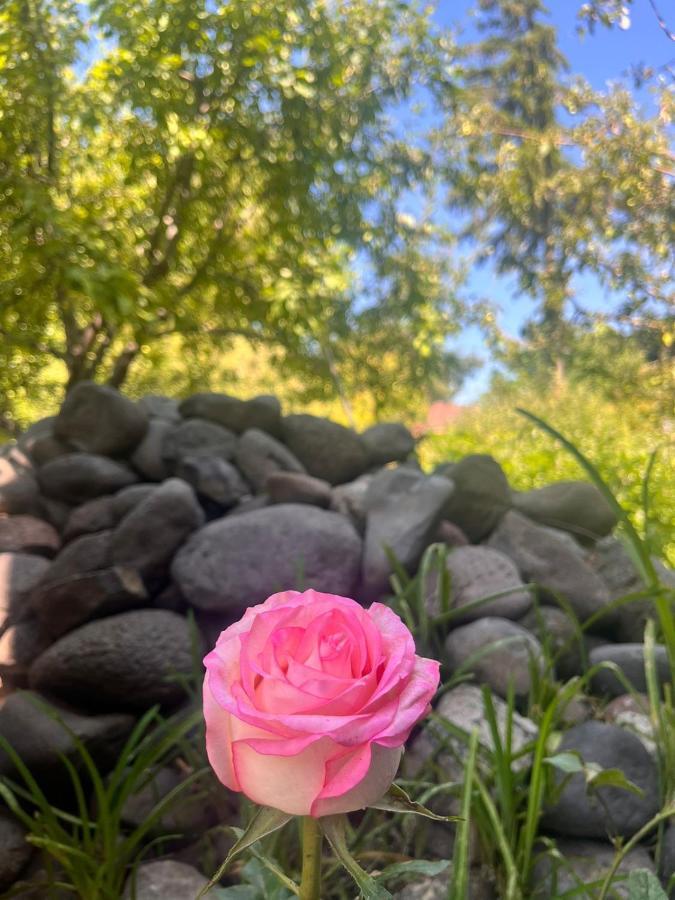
point(148, 457)
point(259, 455)
point(630, 659)
point(326, 450)
point(129, 498)
point(164, 879)
point(126, 662)
point(632, 713)
point(609, 811)
point(15, 851)
point(554, 628)
point(83, 554)
point(476, 573)
point(481, 496)
point(197, 437)
point(63, 605)
point(34, 728)
point(507, 663)
point(19, 573)
point(235, 414)
point(157, 406)
point(147, 537)
point(297, 487)
point(240, 560)
point(404, 510)
point(574, 506)
point(193, 815)
point(451, 535)
point(44, 447)
point(90, 517)
point(98, 419)
point(213, 479)
point(350, 500)
point(480, 886)
point(20, 644)
point(19, 492)
point(27, 534)
point(387, 442)
point(77, 477)
point(584, 862)
point(547, 559)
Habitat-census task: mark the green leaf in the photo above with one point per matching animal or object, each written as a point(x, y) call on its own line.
point(264, 822)
point(396, 800)
point(644, 885)
point(610, 778)
point(413, 868)
point(566, 762)
point(334, 829)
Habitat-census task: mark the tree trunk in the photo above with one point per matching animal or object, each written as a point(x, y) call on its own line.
point(122, 364)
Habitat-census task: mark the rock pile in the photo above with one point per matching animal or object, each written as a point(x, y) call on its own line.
point(117, 518)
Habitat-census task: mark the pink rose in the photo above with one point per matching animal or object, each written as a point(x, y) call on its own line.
point(308, 701)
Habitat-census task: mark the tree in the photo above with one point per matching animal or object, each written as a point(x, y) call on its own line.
point(209, 170)
point(554, 179)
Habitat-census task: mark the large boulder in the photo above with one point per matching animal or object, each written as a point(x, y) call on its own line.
point(481, 496)
point(26, 534)
point(77, 477)
point(259, 455)
point(197, 437)
point(327, 450)
point(607, 811)
point(404, 510)
point(477, 573)
point(550, 560)
point(41, 732)
point(387, 442)
point(125, 662)
point(574, 506)
point(236, 415)
point(148, 536)
point(240, 560)
point(100, 420)
point(497, 652)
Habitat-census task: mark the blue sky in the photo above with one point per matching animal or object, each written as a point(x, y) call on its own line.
point(600, 58)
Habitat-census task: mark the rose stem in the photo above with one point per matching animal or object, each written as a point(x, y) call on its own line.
point(312, 838)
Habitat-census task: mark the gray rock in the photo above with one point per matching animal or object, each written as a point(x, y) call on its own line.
point(44, 447)
point(259, 455)
point(90, 517)
point(387, 442)
point(148, 457)
point(35, 729)
point(608, 810)
point(350, 500)
point(481, 495)
point(63, 605)
point(157, 406)
point(19, 573)
point(98, 419)
point(404, 510)
point(631, 661)
point(327, 450)
point(567, 647)
point(297, 487)
point(476, 573)
point(197, 437)
point(15, 851)
point(193, 815)
point(164, 879)
point(20, 644)
point(239, 561)
point(451, 535)
point(150, 534)
point(480, 886)
point(574, 506)
point(126, 662)
point(19, 493)
point(129, 498)
point(26, 534)
point(213, 479)
point(463, 708)
point(237, 415)
point(584, 862)
point(614, 564)
point(84, 554)
point(632, 713)
point(77, 477)
point(469, 647)
point(546, 558)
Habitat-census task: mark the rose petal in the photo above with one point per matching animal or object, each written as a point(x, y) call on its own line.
point(384, 763)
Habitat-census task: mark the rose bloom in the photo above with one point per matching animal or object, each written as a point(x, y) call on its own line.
point(308, 701)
